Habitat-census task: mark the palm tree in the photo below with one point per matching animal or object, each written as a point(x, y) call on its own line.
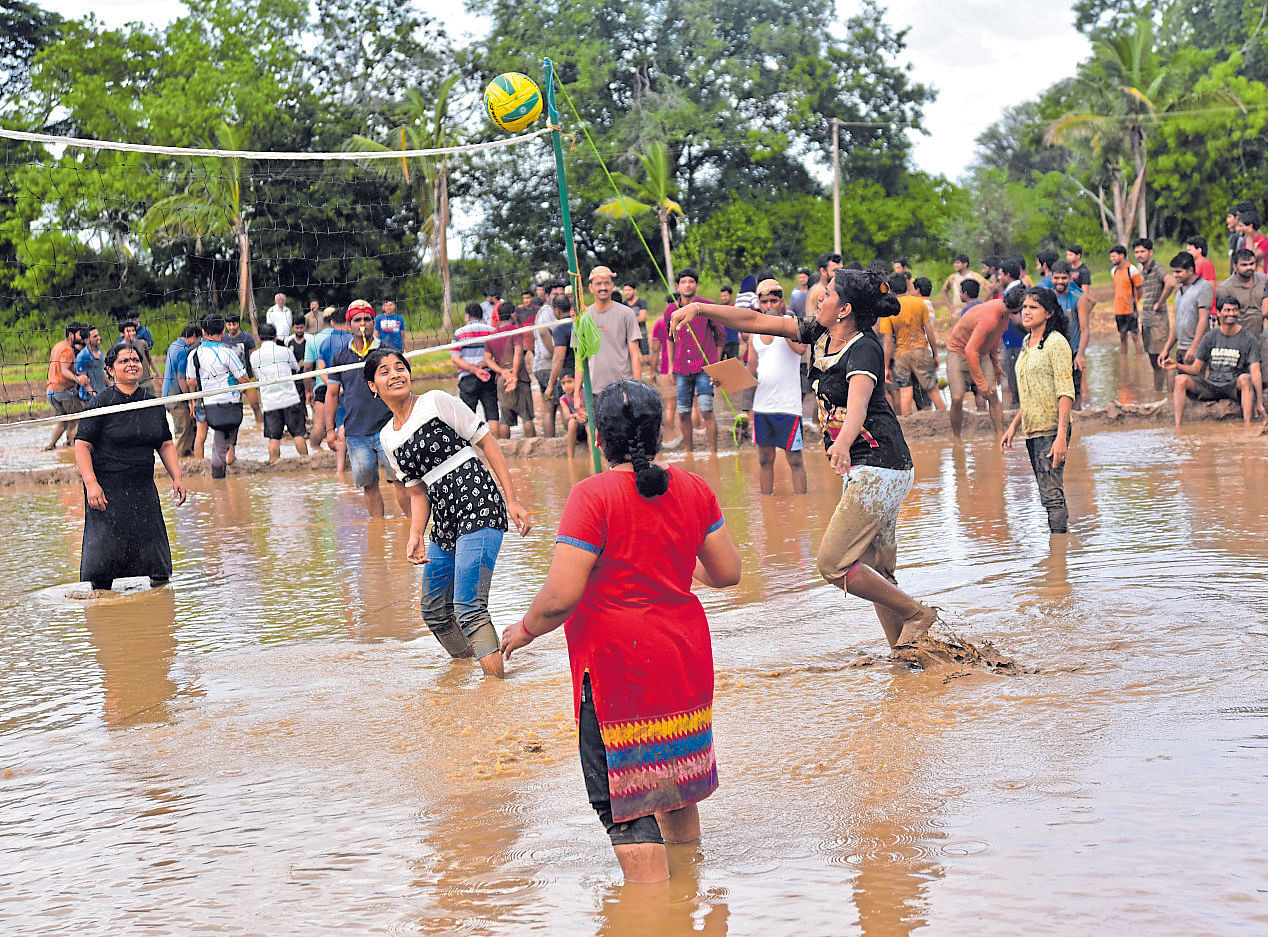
point(211, 205)
point(654, 192)
point(427, 177)
point(1126, 86)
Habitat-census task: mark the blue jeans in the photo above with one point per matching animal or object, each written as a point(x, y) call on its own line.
point(455, 602)
point(697, 385)
point(365, 455)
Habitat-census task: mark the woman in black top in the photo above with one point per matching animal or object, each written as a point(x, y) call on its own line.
point(124, 533)
point(864, 442)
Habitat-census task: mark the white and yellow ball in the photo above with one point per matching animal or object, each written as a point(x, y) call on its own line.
point(513, 101)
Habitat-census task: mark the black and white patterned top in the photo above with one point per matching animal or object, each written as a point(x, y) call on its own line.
point(434, 448)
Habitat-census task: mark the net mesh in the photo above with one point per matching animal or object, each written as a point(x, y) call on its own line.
point(102, 236)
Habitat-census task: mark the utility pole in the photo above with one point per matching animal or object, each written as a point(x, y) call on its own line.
point(836, 185)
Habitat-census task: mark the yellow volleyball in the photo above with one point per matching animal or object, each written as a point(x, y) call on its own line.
point(513, 101)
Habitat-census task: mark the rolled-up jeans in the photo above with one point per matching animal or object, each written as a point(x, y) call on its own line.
point(1051, 481)
point(455, 603)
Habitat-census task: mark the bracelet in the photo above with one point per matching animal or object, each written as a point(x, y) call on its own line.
point(525, 627)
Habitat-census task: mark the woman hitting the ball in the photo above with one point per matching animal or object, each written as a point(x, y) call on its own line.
point(865, 444)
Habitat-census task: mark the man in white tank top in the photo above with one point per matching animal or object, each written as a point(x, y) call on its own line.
point(776, 363)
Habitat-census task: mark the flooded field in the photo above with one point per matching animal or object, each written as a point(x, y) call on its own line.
point(275, 745)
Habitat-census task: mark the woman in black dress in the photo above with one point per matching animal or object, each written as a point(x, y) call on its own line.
point(124, 533)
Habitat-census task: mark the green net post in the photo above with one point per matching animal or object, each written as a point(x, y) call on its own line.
point(570, 249)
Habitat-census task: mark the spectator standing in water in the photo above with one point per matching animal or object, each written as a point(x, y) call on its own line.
point(1046, 385)
point(776, 363)
point(638, 639)
point(283, 406)
point(365, 414)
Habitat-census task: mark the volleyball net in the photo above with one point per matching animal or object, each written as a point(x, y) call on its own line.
point(106, 233)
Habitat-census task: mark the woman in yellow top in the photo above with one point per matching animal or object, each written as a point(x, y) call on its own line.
point(1045, 384)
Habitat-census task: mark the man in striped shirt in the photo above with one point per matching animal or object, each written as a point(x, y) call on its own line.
point(476, 383)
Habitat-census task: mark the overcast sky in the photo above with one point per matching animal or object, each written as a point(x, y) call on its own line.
point(985, 56)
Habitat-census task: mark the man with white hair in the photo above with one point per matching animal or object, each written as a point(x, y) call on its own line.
point(279, 317)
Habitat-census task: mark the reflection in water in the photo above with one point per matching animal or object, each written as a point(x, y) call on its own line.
point(132, 638)
point(336, 774)
point(674, 907)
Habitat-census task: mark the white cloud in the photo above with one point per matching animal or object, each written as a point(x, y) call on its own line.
point(982, 56)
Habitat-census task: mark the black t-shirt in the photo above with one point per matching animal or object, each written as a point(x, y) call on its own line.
point(1083, 276)
point(640, 305)
point(1227, 357)
point(366, 413)
point(562, 337)
point(124, 441)
point(241, 345)
point(880, 442)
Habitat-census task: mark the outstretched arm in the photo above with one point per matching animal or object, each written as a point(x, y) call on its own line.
point(743, 320)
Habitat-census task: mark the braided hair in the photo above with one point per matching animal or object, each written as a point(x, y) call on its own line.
point(868, 292)
point(627, 416)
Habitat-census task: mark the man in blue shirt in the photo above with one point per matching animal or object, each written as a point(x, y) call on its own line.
point(1078, 308)
point(389, 326)
point(92, 362)
point(174, 382)
point(1008, 276)
point(366, 413)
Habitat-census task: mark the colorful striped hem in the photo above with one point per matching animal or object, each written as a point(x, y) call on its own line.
point(621, 734)
point(634, 804)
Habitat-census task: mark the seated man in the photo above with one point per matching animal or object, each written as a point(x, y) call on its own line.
point(1225, 366)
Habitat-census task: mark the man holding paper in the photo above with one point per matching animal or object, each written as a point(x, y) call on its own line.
point(700, 344)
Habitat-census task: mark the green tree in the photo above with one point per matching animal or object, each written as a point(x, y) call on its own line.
point(735, 241)
point(211, 205)
point(739, 91)
point(426, 126)
point(653, 194)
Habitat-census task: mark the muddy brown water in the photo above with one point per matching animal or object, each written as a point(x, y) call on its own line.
point(275, 745)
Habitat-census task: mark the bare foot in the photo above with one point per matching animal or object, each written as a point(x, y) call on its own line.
point(917, 626)
point(492, 665)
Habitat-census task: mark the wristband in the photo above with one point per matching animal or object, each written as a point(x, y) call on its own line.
point(530, 634)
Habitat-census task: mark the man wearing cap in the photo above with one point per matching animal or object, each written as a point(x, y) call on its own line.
point(619, 357)
point(365, 413)
point(776, 363)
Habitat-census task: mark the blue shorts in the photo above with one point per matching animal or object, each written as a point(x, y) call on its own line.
point(782, 430)
point(340, 415)
point(365, 455)
point(694, 385)
point(200, 415)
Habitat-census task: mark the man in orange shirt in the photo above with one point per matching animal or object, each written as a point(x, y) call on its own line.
point(63, 382)
point(1127, 284)
point(972, 351)
point(908, 341)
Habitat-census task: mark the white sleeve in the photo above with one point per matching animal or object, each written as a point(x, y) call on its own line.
point(235, 365)
point(290, 357)
point(191, 370)
point(461, 417)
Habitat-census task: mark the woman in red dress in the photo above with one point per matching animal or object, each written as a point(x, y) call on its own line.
point(638, 639)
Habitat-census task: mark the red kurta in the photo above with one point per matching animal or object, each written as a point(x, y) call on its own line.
point(642, 635)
